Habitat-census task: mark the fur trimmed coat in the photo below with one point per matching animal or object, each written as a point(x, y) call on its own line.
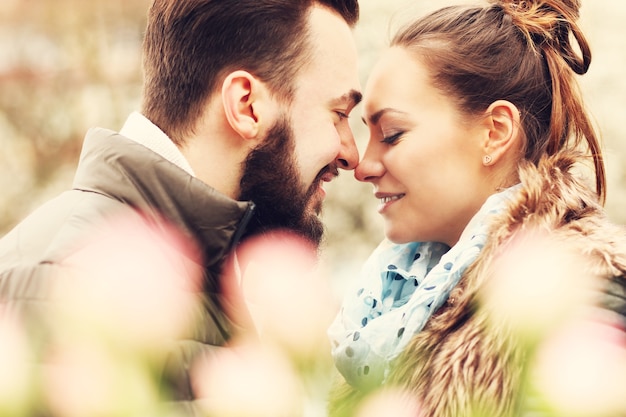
point(463, 363)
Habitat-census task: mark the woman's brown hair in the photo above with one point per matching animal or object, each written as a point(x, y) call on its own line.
point(515, 50)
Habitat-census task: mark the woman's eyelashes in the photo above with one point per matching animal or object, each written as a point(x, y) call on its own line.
point(391, 139)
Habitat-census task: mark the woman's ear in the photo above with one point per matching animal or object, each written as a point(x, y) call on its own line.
point(245, 99)
point(503, 130)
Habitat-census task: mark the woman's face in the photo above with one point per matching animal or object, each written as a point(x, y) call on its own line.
point(423, 157)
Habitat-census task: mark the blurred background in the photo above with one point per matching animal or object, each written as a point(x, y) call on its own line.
point(68, 65)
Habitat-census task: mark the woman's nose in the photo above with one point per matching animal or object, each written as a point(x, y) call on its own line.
point(369, 168)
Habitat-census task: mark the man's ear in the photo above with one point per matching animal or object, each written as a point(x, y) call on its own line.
point(245, 99)
point(503, 130)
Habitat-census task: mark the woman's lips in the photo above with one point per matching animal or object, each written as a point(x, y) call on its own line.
point(386, 200)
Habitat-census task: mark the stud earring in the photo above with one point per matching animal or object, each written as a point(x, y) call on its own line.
point(487, 159)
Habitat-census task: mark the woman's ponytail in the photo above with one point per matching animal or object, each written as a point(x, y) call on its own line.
point(552, 24)
point(550, 27)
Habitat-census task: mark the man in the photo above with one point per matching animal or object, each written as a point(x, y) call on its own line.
point(243, 119)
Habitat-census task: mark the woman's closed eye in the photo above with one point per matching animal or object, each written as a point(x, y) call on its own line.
point(391, 139)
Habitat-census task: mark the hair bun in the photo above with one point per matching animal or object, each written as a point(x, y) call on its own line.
point(569, 9)
point(549, 24)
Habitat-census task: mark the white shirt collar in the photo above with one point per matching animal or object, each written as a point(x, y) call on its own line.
point(141, 130)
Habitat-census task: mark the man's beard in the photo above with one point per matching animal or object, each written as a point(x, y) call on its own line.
point(271, 179)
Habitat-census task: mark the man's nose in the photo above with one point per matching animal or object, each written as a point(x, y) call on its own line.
point(348, 156)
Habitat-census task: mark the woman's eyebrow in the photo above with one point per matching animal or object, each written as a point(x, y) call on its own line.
point(374, 118)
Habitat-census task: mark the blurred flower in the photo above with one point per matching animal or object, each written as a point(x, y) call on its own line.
point(15, 377)
point(7, 7)
point(536, 283)
point(249, 380)
point(118, 302)
point(581, 369)
point(93, 381)
point(132, 285)
point(278, 292)
point(389, 402)
point(545, 289)
point(286, 292)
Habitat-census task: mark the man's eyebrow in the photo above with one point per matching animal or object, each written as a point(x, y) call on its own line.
point(374, 118)
point(352, 97)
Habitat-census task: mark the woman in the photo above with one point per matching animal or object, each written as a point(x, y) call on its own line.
point(476, 131)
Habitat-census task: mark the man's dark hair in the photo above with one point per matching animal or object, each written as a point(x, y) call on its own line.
point(190, 44)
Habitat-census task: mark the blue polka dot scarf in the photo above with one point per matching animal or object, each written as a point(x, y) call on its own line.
point(400, 287)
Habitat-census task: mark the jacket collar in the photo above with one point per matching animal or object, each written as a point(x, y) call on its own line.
point(122, 169)
point(141, 130)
